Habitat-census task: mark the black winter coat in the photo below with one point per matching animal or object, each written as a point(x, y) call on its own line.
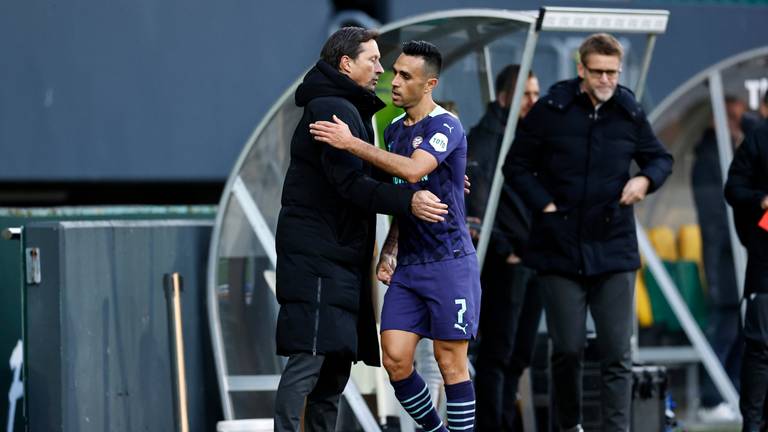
point(707, 185)
point(711, 212)
point(326, 228)
point(746, 187)
point(512, 223)
point(568, 153)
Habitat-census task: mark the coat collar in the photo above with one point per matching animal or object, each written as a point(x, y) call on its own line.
point(495, 119)
point(564, 93)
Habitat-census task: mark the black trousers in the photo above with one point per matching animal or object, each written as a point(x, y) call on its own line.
point(610, 300)
point(509, 319)
point(754, 368)
point(318, 379)
point(725, 335)
point(724, 328)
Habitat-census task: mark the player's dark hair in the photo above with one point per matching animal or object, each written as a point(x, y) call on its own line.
point(433, 60)
point(346, 41)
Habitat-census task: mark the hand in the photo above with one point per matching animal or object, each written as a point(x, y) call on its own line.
point(550, 208)
point(426, 206)
point(467, 184)
point(513, 259)
point(635, 190)
point(764, 204)
point(386, 268)
point(473, 223)
point(335, 133)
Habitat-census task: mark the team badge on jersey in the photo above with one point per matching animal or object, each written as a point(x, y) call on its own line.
point(417, 142)
point(439, 142)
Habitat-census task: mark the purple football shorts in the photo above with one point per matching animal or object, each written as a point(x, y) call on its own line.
point(438, 300)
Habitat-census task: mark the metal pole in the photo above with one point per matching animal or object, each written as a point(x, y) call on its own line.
point(485, 70)
point(173, 288)
point(725, 153)
point(527, 405)
point(506, 142)
point(639, 92)
point(360, 408)
point(640, 86)
point(692, 330)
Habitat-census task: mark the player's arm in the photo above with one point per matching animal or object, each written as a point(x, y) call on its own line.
point(345, 172)
point(338, 135)
point(388, 258)
point(390, 244)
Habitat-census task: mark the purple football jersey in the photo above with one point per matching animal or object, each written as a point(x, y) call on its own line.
point(440, 134)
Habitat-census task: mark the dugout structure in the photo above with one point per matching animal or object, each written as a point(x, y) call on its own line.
point(476, 43)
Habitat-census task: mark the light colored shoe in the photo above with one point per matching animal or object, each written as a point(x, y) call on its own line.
point(576, 428)
point(721, 413)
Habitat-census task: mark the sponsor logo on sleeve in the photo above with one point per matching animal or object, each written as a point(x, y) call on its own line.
point(439, 142)
point(450, 128)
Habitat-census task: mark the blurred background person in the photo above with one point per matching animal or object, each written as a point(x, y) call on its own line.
point(510, 306)
point(747, 192)
point(723, 328)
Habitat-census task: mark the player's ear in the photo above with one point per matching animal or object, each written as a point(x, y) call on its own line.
point(431, 84)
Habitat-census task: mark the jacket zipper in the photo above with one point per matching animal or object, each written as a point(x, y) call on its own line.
point(317, 316)
point(593, 122)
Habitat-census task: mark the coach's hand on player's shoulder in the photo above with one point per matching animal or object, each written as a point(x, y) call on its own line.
point(335, 133)
point(386, 268)
point(427, 206)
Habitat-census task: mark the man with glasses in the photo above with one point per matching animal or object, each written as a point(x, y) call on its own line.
point(570, 163)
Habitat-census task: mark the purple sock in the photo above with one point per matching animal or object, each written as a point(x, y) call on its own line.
point(461, 406)
point(413, 395)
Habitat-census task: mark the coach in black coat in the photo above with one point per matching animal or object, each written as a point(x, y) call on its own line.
point(326, 227)
point(571, 162)
point(325, 235)
point(568, 153)
point(747, 192)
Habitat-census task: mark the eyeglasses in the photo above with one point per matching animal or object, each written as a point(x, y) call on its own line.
point(611, 74)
